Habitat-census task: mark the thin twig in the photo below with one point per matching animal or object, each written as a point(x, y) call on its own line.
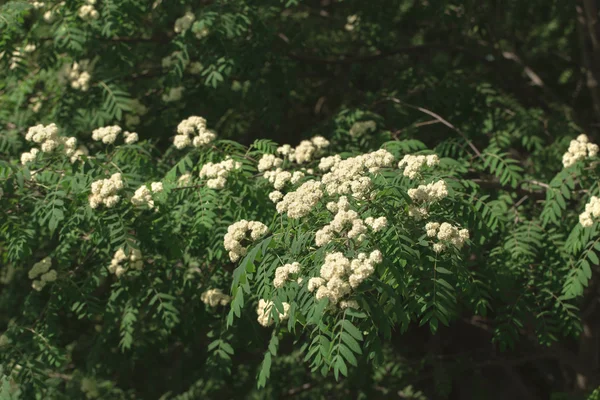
point(440, 119)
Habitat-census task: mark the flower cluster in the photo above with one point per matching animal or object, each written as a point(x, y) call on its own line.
point(282, 274)
point(143, 195)
point(214, 297)
point(275, 196)
point(137, 110)
point(279, 177)
point(579, 149)
point(104, 191)
point(339, 275)
point(237, 232)
point(413, 164)
point(79, 76)
point(264, 312)
point(50, 15)
point(361, 127)
point(351, 22)
point(42, 269)
point(300, 202)
point(109, 134)
point(87, 11)
point(344, 218)
point(269, 161)
point(348, 304)
point(592, 212)
point(81, 150)
point(417, 212)
point(184, 179)
point(47, 137)
point(134, 261)
point(218, 173)
point(183, 24)
point(173, 59)
point(17, 55)
point(349, 176)
point(29, 156)
point(429, 193)
point(174, 94)
point(376, 224)
point(446, 233)
point(305, 151)
point(193, 131)
point(200, 31)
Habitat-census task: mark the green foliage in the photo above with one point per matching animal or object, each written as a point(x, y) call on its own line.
point(143, 300)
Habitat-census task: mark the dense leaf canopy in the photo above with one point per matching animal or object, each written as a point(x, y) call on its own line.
point(306, 199)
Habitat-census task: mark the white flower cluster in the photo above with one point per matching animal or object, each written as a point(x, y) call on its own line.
point(81, 150)
point(592, 212)
point(218, 173)
point(348, 304)
point(143, 195)
point(137, 110)
point(79, 76)
point(361, 127)
point(17, 55)
point(193, 131)
point(36, 104)
point(376, 224)
point(350, 176)
point(237, 232)
point(413, 164)
point(339, 275)
point(183, 24)
point(15, 58)
point(38, 4)
point(174, 58)
point(184, 179)
point(417, 213)
point(446, 233)
point(345, 218)
point(87, 11)
point(47, 137)
point(130, 137)
point(429, 193)
point(134, 260)
point(42, 269)
point(200, 31)
point(104, 191)
point(264, 312)
point(351, 22)
point(579, 149)
point(174, 94)
point(305, 151)
point(215, 297)
point(269, 161)
point(50, 15)
point(279, 177)
point(29, 156)
point(108, 135)
point(282, 274)
point(275, 196)
point(299, 203)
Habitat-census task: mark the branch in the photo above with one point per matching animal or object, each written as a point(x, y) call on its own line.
point(440, 119)
point(378, 55)
point(587, 58)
